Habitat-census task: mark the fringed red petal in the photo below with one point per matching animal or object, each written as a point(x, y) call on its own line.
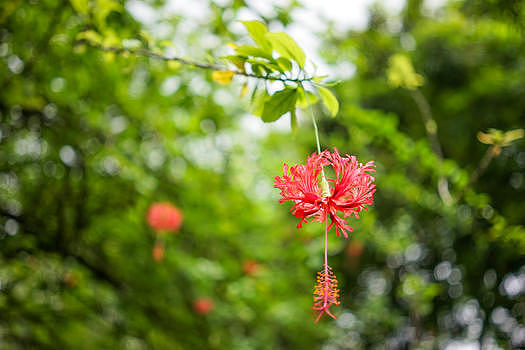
point(351, 191)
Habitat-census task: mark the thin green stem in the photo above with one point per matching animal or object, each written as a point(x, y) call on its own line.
point(491, 152)
point(431, 130)
point(316, 129)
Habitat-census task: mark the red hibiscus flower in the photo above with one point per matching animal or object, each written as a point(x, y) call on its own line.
point(203, 305)
point(316, 197)
point(164, 217)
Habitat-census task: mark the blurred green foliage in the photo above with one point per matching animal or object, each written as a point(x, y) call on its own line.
point(89, 139)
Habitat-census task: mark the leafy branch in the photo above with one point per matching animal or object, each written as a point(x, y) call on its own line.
point(190, 62)
point(275, 57)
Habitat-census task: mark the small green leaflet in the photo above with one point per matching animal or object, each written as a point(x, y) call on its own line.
point(329, 100)
point(278, 104)
point(287, 47)
point(247, 50)
point(270, 66)
point(91, 36)
point(284, 64)
point(81, 6)
point(238, 61)
point(258, 98)
point(319, 79)
point(305, 98)
point(258, 31)
point(332, 83)
point(103, 9)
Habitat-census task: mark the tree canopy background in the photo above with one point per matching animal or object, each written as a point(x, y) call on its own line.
point(90, 139)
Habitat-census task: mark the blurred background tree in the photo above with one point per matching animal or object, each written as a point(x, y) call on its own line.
point(90, 139)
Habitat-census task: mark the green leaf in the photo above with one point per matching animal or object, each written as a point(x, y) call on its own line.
point(269, 67)
point(284, 64)
point(259, 69)
point(81, 6)
point(247, 50)
point(131, 44)
point(148, 39)
point(257, 32)
point(103, 9)
point(257, 101)
point(303, 101)
point(91, 36)
point(166, 43)
point(278, 104)
point(319, 79)
point(332, 83)
point(287, 47)
point(401, 73)
point(512, 135)
point(238, 61)
point(329, 101)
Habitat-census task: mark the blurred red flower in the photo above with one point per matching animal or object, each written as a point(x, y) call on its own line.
point(250, 267)
point(203, 306)
point(70, 279)
point(355, 249)
point(317, 198)
point(164, 217)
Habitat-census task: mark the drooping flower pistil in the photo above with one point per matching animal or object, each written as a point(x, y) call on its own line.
point(326, 292)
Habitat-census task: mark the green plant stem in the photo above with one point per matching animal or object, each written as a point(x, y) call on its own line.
point(316, 129)
point(431, 130)
point(491, 152)
point(428, 121)
point(483, 164)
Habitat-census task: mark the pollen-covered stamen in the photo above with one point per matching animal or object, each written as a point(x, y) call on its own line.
point(326, 292)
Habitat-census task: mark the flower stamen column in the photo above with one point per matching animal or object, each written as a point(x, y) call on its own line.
point(326, 293)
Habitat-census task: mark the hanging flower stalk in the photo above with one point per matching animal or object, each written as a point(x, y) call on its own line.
point(319, 199)
point(163, 218)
